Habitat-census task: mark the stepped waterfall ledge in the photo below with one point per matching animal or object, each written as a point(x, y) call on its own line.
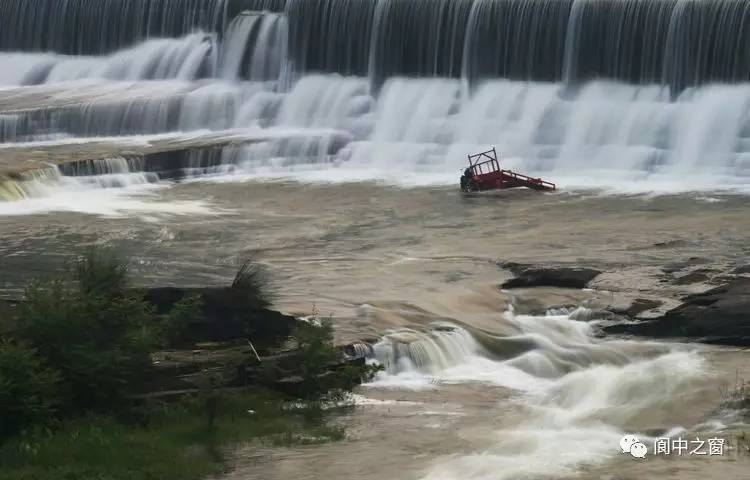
point(656, 93)
point(275, 239)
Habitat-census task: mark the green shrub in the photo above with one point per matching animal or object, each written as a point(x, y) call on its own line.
point(176, 445)
point(97, 336)
point(28, 389)
point(353, 375)
point(101, 271)
point(323, 375)
point(184, 313)
point(315, 340)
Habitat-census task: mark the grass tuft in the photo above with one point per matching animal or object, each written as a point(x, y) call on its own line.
point(252, 280)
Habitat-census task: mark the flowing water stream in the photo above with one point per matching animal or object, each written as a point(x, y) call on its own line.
point(471, 390)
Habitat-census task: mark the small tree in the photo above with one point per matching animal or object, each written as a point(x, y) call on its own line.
point(325, 374)
point(315, 339)
point(28, 389)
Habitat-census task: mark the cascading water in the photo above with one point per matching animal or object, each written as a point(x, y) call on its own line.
point(442, 347)
point(182, 58)
point(577, 392)
point(237, 37)
point(105, 173)
point(685, 42)
point(680, 43)
point(255, 48)
point(83, 27)
point(10, 128)
point(426, 82)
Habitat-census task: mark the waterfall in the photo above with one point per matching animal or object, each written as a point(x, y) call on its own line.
point(675, 42)
point(429, 352)
point(255, 47)
point(114, 172)
point(235, 45)
point(11, 127)
point(184, 58)
point(82, 27)
point(516, 39)
point(679, 43)
point(641, 94)
point(269, 56)
point(566, 391)
point(330, 35)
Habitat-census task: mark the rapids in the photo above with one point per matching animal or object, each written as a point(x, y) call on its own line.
point(469, 391)
point(581, 395)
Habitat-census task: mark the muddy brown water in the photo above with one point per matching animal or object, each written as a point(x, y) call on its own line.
point(380, 258)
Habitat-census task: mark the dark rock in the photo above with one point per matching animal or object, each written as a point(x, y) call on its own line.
point(718, 316)
point(228, 314)
point(588, 314)
point(444, 328)
point(293, 383)
point(172, 164)
point(528, 305)
point(638, 306)
point(742, 269)
point(563, 277)
point(358, 349)
point(690, 278)
point(683, 264)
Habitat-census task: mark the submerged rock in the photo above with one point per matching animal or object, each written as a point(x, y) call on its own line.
point(718, 316)
point(676, 266)
point(583, 314)
point(534, 276)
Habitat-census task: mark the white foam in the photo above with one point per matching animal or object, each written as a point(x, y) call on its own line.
point(362, 400)
point(74, 195)
point(576, 393)
point(622, 139)
point(153, 59)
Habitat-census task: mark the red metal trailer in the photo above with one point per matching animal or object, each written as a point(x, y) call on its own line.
point(484, 173)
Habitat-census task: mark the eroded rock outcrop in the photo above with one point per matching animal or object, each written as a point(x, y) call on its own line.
point(719, 316)
point(541, 276)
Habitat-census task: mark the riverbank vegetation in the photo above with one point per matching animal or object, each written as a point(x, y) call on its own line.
point(167, 441)
point(82, 396)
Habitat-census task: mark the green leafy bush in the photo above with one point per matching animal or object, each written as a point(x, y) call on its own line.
point(176, 445)
point(101, 271)
point(324, 372)
point(28, 389)
point(177, 323)
point(97, 336)
point(315, 340)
